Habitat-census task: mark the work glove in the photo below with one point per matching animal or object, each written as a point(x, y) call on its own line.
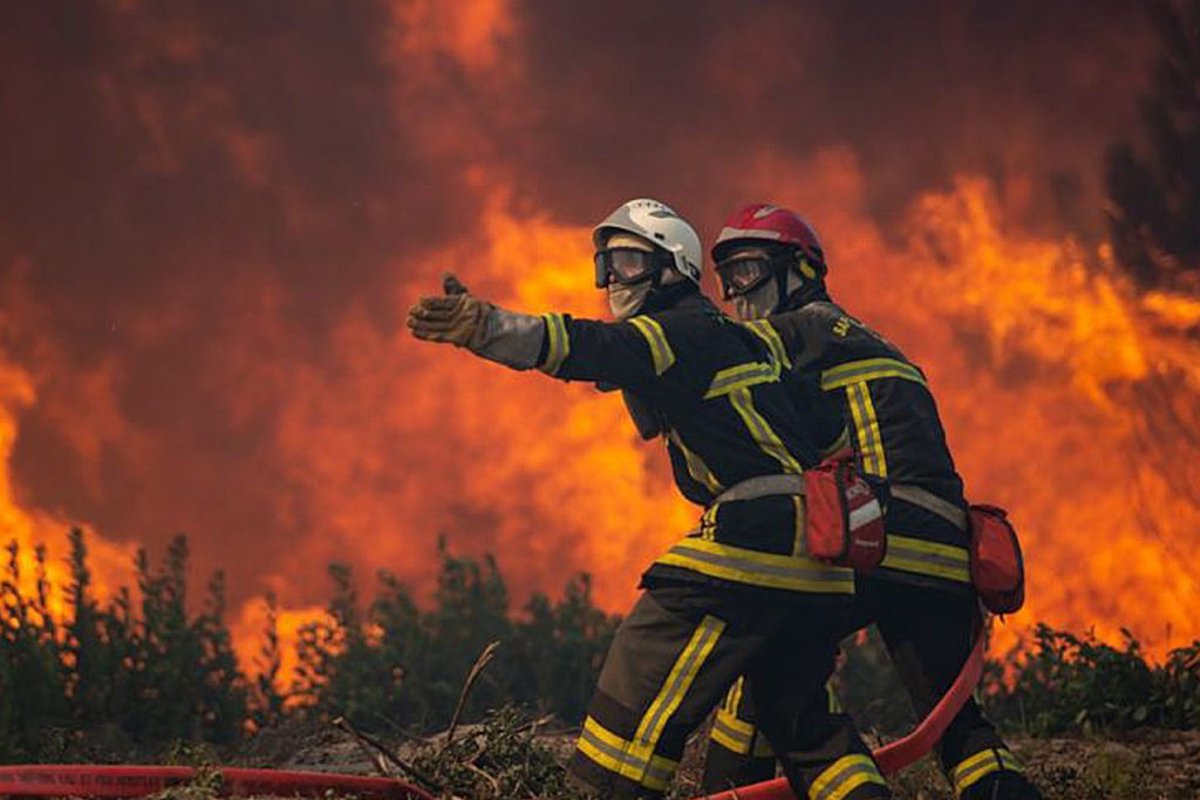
point(457, 317)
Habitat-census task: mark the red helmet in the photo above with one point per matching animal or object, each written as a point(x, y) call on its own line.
point(767, 223)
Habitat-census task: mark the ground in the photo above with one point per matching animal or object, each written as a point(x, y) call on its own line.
point(1151, 765)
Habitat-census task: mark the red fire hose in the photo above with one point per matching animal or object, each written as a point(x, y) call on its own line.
point(896, 755)
point(86, 780)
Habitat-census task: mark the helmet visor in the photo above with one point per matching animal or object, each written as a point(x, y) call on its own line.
point(744, 273)
point(625, 265)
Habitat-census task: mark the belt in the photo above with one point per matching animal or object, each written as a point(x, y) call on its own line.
point(762, 486)
point(929, 501)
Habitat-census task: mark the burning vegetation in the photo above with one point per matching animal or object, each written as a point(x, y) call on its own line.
point(213, 217)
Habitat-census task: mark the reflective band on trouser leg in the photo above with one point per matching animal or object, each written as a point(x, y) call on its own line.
point(844, 776)
point(768, 441)
point(909, 554)
point(972, 768)
point(558, 343)
point(739, 736)
point(660, 348)
point(751, 567)
point(683, 673)
point(615, 754)
point(635, 759)
point(870, 441)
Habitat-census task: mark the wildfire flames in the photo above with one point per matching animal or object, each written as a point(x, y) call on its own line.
point(201, 320)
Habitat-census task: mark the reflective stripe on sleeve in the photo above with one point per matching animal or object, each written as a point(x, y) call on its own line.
point(742, 376)
point(660, 348)
point(869, 369)
point(754, 568)
point(844, 776)
point(558, 345)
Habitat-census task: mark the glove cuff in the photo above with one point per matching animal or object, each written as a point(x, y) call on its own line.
point(508, 337)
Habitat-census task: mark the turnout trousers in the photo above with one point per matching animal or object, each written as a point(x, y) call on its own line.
point(929, 634)
point(681, 648)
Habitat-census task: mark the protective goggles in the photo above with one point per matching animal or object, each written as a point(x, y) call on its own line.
point(626, 265)
point(745, 272)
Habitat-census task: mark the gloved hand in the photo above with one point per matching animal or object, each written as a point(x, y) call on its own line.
point(457, 317)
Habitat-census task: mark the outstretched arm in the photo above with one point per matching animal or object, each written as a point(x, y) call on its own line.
point(627, 354)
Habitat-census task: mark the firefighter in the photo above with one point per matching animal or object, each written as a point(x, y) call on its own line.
point(735, 596)
point(771, 265)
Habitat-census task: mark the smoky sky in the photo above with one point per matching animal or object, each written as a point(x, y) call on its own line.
point(166, 166)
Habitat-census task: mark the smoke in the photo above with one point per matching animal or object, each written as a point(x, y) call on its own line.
point(214, 215)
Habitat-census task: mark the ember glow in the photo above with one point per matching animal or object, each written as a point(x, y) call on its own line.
point(215, 218)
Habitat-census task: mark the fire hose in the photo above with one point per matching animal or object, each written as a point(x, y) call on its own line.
point(86, 780)
point(896, 755)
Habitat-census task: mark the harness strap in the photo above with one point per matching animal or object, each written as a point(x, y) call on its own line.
point(761, 486)
point(929, 501)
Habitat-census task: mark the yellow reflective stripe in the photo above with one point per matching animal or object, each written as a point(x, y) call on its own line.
point(559, 343)
point(799, 544)
point(734, 696)
point(660, 349)
point(742, 376)
point(766, 331)
point(696, 466)
point(870, 441)
point(680, 679)
point(731, 733)
point(734, 733)
point(970, 770)
point(832, 701)
point(840, 443)
point(908, 554)
point(624, 758)
point(731, 721)
point(754, 568)
point(766, 438)
point(869, 369)
point(844, 776)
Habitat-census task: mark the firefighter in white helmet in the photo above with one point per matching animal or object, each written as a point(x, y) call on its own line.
point(739, 594)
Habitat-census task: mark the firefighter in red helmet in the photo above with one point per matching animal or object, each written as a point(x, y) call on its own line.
point(772, 267)
point(737, 596)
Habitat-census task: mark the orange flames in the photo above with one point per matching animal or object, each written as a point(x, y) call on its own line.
point(307, 426)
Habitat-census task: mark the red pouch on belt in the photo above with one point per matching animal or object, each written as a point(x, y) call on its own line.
point(997, 567)
point(844, 523)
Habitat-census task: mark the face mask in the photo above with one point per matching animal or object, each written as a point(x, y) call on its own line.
point(626, 301)
point(757, 303)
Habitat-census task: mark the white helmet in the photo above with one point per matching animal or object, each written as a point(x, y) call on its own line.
point(658, 223)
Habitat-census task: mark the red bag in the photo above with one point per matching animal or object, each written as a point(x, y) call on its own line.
point(997, 567)
point(844, 523)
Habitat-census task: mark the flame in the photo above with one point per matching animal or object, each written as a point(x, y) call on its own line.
point(32, 528)
point(258, 232)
